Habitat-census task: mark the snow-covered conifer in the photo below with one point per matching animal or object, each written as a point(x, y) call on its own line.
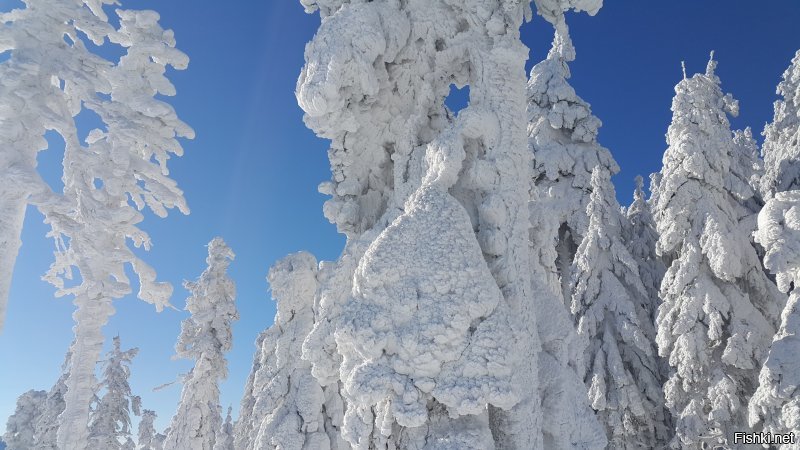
point(147, 431)
point(21, 426)
point(224, 439)
point(288, 407)
point(111, 421)
point(49, 79)
point(776, 404)
point(718, 309)
point(622, 371)
point(205, 337)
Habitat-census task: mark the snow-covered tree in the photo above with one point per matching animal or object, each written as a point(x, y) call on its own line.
point(776, 404)
point(622, 372)
point(287, 407)
point(50, 78)
point(718, 308)
point(641, 238)
point(21, 426)
point(111, 421)
point(224, 439)
point(147, 431)
point(47, 423)
point(205, 337)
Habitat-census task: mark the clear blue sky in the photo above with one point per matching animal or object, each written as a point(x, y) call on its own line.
point(250, 175)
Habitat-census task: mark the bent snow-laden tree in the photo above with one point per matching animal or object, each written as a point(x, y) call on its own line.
point(776, 403)
point(205, 338)
point(622, 372)
point(49, 79)
point(289, 408)
point(111, 418)
point(718, 309)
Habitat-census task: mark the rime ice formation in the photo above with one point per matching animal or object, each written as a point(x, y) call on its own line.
point(147, 432)
point(285, 406)
point(622, 372)
point(375, 80)
point(50, 77)
point(776, 403)
point(21, 426)
point(205, 337)
point(111, 419)
point(718, 307)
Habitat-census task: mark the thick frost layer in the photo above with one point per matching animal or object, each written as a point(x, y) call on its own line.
point(111, 420)
point(776, 403)
point(718, 308)
point(205, 338)
point(622, 370)
point(286, 407)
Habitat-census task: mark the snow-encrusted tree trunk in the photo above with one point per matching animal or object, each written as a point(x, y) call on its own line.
point(776, 404)
point(225, 438)
point(719, 308)
point(111, 420)
point(21, 426)
point(622, 372)
point(205, 338)
point(147, 431)
point(49, 79)
point(288, 407)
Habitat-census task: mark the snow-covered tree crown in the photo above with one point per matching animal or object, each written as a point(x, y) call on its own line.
point(782, 136)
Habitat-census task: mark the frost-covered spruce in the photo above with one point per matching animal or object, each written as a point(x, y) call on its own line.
point(111, 420)
point(205, 337)
point(289, 408)
point(50, 78)
point(224, 439)
point(716, 318)
point(21, 426)
point(147, 432)
point(776, 404)
point(622, 372)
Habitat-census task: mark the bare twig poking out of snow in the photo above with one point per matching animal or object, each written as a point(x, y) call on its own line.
point(776, 403)
point(719, 308)
point(205, 337)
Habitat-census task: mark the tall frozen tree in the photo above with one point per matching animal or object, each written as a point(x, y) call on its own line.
point(622, 371)
point(776, 404)
point(718, 307)
point(289, 408)
point(111, 420)
point(641, 238)
point(147, 432)
point(375, 81)
point(21, 426)
point(205, 337)
point(50, 78)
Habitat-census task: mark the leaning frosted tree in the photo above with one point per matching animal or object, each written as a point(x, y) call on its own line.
point(205, 337)
point(776, 404)
point(50, 78)
point(428, 324)
point(622, 372)
point(111, 418)
point(719, 308)
point(289, 408)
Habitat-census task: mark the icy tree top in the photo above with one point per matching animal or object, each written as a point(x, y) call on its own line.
point(782, 136)
point(293, 283)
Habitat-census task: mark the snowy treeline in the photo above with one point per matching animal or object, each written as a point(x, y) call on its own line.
point(492, 292)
